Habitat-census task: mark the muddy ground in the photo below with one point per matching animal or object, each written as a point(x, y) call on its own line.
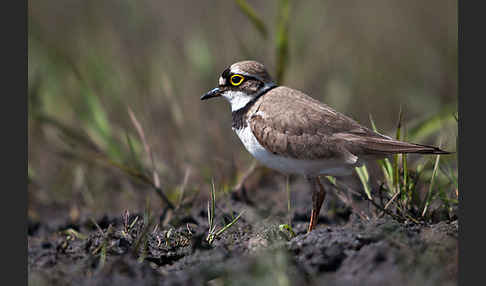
point(345, 249)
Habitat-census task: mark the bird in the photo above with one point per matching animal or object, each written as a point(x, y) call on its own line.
point(293, 133)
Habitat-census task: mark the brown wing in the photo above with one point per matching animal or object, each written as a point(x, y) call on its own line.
point(289, 123)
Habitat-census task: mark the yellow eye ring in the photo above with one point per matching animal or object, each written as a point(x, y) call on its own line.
point(236, 79)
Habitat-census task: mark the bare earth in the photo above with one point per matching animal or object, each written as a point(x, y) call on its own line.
point(343, 250)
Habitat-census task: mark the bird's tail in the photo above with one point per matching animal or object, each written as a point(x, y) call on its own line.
point(390, 146)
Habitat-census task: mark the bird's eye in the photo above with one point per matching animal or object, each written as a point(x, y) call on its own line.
point(236, 79)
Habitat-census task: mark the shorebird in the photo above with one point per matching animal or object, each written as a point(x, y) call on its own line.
point(291, 132)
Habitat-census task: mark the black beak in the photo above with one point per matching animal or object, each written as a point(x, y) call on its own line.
point(215, 92)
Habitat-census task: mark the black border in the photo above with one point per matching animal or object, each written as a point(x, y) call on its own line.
point(462, 273)
point(14, 102)
point(471, 199)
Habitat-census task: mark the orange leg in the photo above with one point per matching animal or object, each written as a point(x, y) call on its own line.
point(318, 196)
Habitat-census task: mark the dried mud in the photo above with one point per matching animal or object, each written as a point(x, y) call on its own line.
point(343, 250)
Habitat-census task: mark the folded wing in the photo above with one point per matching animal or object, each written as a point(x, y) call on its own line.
point(289, 123)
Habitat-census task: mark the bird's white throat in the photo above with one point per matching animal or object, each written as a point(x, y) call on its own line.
point(237, 99)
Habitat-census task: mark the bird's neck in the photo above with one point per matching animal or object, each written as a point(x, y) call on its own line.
point(240, 107)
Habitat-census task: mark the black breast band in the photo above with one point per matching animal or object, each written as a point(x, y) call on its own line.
point(238, 116)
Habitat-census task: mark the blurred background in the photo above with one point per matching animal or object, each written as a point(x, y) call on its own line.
point(89, 62)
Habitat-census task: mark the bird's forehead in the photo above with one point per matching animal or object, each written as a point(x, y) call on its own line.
point(237, 70)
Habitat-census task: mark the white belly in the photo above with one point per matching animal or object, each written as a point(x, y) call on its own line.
point(289, 165)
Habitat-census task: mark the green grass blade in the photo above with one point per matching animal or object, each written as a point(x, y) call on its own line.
point(385, 164)
point(97, 122)
point(406, 186)
point(364, 178)
point(246, 9)
point(209, 216)
point(405, 175)
point(431, 125)
point(387, 170)
point(449, 173)
point(221, 231)
point(396, 167)
point(282, 39)
point(76, 234)
point(30, 173)
point(213, 204)
point(332, 180)
point(373, 126)
point(133, 155)
point(289, 209)
point(429, 193)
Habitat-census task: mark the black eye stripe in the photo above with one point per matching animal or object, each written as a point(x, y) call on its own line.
point(246, 77)
point(227, 76)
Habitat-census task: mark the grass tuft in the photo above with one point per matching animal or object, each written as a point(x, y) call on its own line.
point(286, 228)
point(212, 232)
point(399, 194)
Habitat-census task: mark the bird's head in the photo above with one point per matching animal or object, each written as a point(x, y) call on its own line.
point(242, 82)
